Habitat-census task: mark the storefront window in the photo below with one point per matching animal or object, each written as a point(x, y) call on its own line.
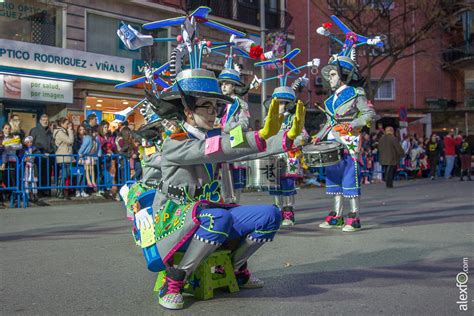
point(31, 21)
point(104, 108)
point(102, 39)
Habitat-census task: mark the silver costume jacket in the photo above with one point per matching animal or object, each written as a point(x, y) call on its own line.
point(237, 114)
point(186, 168)
point(152, 168)
point(350, 106)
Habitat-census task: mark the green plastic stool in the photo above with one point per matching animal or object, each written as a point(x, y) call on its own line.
point(203, 282)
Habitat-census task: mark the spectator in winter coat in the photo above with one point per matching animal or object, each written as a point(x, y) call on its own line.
point(11, 145)
point(43, 141)
point(390, 153)
point(64, 139)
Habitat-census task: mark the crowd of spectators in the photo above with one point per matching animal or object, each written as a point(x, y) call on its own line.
point(65, 149)
point(422, 157)
point(383, 156)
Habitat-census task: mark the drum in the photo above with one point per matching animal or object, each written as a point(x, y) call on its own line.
point(239, 174)
point(263, 173)
point(323, 154)
point(290, 167)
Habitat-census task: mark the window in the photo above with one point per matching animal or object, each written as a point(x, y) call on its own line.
point(386, 91)
point(102, 39)
point(31, 21)
point(271, 5)
point(218, 7)
point(248, 12)
point(380, 4)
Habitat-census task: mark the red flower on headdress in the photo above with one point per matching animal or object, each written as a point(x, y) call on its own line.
point(327, 25)
point(255, 51)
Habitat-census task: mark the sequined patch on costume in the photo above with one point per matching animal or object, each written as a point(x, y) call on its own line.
point(211, 192)
point(171, 218)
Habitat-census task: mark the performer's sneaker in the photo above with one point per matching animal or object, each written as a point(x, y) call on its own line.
point(288, 217)
point(170, 293)
point(332, 221)
point(246, 280)
point(352, 223)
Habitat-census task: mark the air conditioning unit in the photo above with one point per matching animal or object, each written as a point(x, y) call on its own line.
point(318, 81)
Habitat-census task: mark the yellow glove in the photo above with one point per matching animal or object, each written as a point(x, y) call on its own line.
point(298, 121)
point(273, 121)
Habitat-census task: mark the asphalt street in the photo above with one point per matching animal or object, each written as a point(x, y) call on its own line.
point(81, 259)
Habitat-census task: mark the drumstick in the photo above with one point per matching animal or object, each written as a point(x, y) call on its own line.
point(333, 119)
point(327, 113)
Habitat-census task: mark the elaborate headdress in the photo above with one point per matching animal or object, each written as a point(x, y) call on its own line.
point(345, 61)
point(236, 47)
point(188, 84)
point(283, 91)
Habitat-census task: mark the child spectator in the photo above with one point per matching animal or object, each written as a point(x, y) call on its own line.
point(30, 178)
point(87, 151)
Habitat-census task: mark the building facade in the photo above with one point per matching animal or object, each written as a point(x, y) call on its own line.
point(435, 87)
point(64, 58)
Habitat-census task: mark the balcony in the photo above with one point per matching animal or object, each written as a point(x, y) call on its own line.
point(440, 104)
point(246, 12)
point(460, 56)
point(219, 8)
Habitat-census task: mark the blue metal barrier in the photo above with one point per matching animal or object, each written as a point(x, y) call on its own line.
point(10, 178)
point(67, 172)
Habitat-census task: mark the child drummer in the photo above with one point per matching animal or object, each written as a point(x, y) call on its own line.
point(189, 191)
point(285, 191)
point(187, 213)
point(347, 112)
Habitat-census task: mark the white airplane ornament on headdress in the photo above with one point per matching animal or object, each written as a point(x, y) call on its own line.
point(352, 39)
point(286, 61)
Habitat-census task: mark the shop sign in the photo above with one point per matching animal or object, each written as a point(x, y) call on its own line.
point(20, 11)
point(139, 67)
point(64, 61)
point(35, 89)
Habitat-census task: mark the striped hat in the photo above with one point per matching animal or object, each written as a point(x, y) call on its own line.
point(196, 83)
point(284, 93)
point(230, 75)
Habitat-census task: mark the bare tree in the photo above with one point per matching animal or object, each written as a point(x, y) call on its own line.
point(408, 28)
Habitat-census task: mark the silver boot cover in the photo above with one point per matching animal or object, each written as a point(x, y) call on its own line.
point(354, 202)
point(338, 204)
point(196, 252)
point(243, 253)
